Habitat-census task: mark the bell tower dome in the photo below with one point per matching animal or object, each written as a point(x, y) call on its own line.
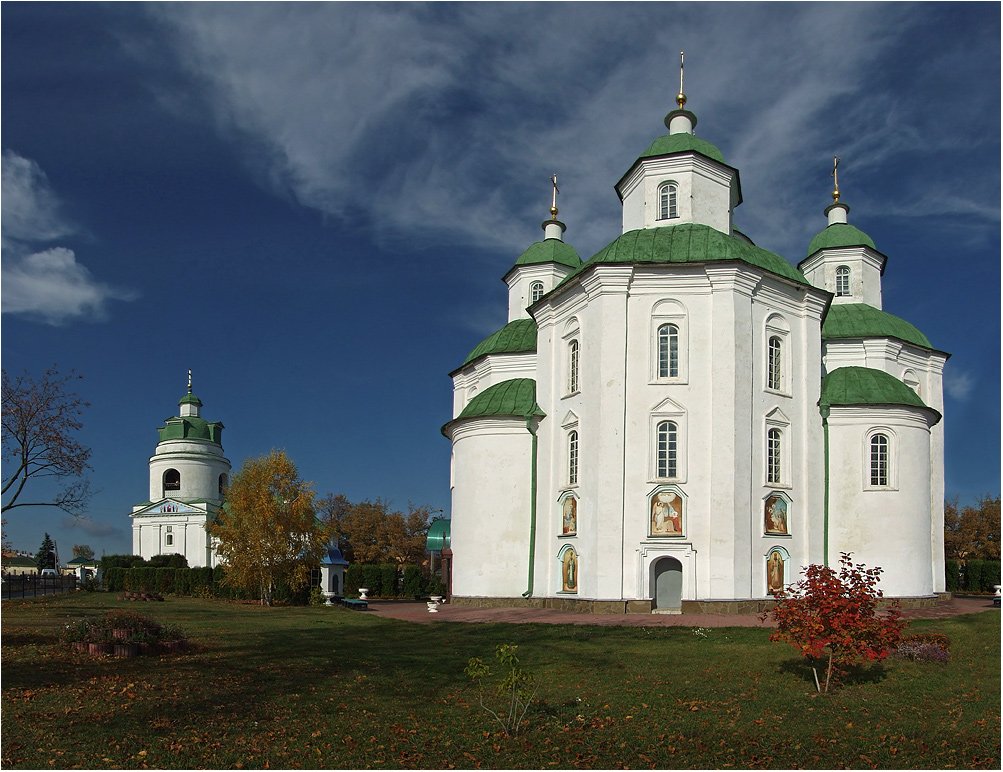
point(188, 463)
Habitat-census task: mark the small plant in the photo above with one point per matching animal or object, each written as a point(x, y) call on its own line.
point(833, 618)
point(924, 647)
point(316, 597)
point(515, 687)
point(701, 632)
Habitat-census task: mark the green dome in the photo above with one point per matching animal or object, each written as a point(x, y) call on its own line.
point(508, 398)
point(518, 337)
point(550, 251)
point(839, 235)
point(678, 143)
point(190, 399)
point(191, 428)
point(689, 243)
point(864, 386)
point(859, 320)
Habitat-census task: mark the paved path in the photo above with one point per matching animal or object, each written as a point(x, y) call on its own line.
point(418, 612)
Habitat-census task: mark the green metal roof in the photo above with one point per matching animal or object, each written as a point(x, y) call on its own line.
point(438, 535)
point(550, 251)
point(17, 561)
point(839, 235)
point(679, 143)
point(689, 243)
point(864, 386)
point(516, 397)
point(518, 337)
point(859, 320)
point(190, 399)
point(191, 428)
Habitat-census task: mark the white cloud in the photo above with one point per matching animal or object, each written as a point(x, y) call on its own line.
point(49, 284)
point(958, 384)
point(53, 286)
point(30, 208)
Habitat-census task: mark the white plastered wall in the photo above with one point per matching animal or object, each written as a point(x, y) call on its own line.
point(489, 532)
point(886, 526)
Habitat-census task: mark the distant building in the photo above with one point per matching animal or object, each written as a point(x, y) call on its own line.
point(686, 417)
point(188, 475)
point(19, 564)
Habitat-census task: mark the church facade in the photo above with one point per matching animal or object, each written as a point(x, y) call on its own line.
point(687, 417)
point(188, 476)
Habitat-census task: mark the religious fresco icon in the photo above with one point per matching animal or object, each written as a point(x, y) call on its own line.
point(569, 519)
point(666, 514)
point(774, 572)
point(775, 516)
point(569, 571)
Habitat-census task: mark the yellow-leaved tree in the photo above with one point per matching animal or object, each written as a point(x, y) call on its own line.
point(266, 531)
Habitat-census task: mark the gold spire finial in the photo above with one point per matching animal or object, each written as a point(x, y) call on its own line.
point(189, 381)
point(835, 177)
point(553, 204)
point(681, 97)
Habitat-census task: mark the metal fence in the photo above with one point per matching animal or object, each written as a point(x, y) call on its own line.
point(20, 586)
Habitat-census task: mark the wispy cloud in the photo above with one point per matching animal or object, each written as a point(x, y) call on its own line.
point(444, 122)
point(91, 527)
point(48, 284)
point(958, 383)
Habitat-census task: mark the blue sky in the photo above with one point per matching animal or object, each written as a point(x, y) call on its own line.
point(312, 205)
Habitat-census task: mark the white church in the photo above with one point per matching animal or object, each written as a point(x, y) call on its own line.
point(188, 476)
point(685, 420)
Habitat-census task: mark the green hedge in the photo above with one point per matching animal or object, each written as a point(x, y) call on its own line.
point(979, 575)
point(952, 575)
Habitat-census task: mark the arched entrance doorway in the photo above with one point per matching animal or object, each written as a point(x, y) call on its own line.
point(667, 585)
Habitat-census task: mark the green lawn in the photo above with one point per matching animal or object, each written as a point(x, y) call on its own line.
point(331, 688)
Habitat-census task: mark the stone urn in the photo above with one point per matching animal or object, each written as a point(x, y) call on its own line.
point(363, 593)
point(433, 607)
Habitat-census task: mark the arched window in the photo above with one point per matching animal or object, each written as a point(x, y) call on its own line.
point(223, 482)
point(535, 291)
point(172, 480)
point(667, 450)
point(773, 440)
point(572, 458)
point(668, 351)
point(667, 208)
point(774, 378)
point(573, 349)
point(879, 460)
point(842, 281)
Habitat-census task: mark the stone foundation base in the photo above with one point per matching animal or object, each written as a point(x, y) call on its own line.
point(575, 605)
point(584, 606)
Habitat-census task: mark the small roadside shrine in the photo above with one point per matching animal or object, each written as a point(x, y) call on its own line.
point(332, 574)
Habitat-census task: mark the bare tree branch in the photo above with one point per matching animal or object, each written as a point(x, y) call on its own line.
point(40, 420)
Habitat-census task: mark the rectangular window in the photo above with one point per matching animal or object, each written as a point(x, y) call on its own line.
point(667, 450)
point(170, 539)
point(573, 367)
point(774, 380)
point(879, 460)
point(773, 456)
point(573, 458)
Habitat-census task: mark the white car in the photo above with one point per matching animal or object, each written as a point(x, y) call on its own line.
point(50, 572)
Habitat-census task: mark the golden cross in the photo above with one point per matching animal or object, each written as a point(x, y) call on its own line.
point(835, 177)
point(553, 205)
point(189, 381)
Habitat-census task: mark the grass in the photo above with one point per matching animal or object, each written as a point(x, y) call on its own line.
point(329, 688)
